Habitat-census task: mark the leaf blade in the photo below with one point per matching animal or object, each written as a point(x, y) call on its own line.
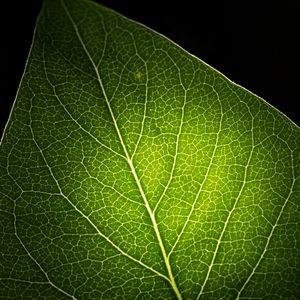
point(166, 129)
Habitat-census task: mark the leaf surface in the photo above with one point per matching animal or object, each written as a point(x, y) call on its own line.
point(131, 169)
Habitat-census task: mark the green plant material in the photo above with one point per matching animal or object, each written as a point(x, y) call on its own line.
point(131, 169)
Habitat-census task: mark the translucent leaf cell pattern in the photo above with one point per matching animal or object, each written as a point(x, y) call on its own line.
point(131, 169)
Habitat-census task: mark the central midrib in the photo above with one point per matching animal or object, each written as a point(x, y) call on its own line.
point(130, 163)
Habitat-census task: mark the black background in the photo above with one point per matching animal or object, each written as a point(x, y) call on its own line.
point(253, 44)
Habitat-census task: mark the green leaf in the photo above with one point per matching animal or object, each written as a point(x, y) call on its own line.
point(131, 169)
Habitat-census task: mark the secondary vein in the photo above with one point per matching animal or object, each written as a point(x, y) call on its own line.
point(230, 212)
point(271, 232)
point(203, 182)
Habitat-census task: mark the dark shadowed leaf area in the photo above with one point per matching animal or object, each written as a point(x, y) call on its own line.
point(130, 169)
